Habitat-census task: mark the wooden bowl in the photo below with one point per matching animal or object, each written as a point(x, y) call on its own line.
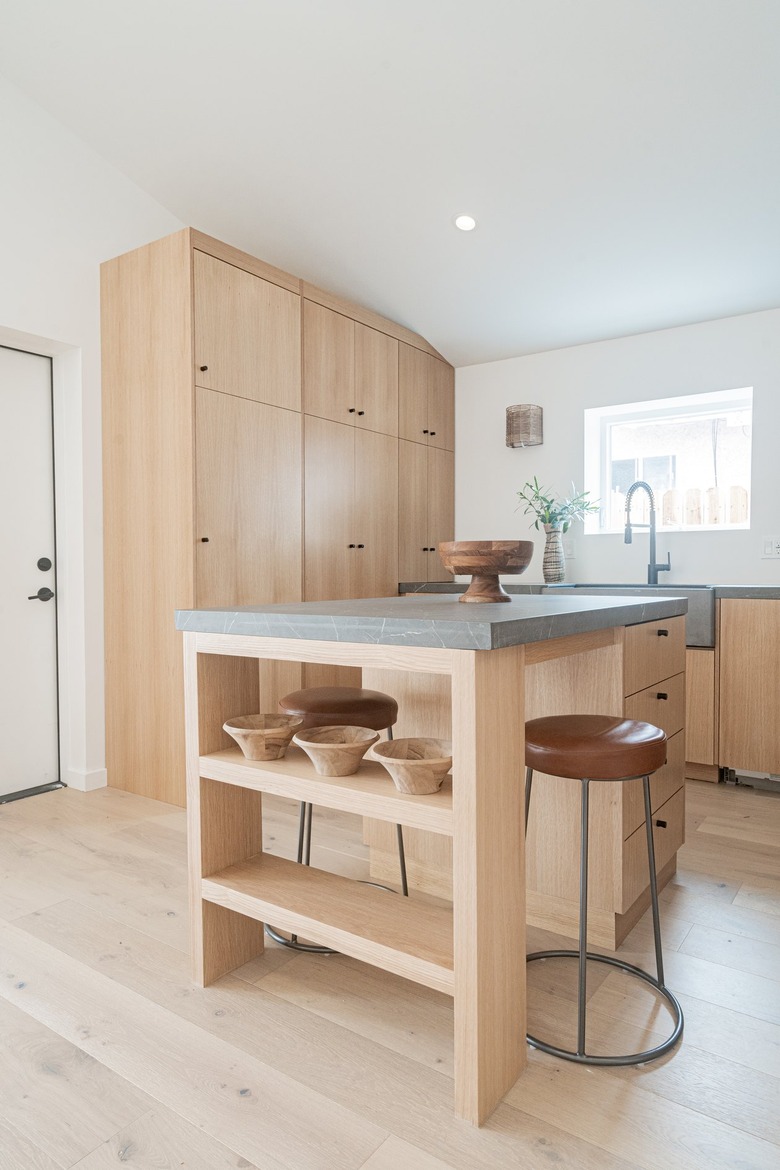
point(336, 751)
point(485, 559)
point(263, 737)
point(417, 766)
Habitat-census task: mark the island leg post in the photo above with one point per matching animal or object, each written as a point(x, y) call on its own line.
point(488, 877)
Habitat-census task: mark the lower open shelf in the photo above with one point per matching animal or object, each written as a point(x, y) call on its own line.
point(402, 935)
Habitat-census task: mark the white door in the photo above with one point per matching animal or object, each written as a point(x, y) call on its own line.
point(29, 753)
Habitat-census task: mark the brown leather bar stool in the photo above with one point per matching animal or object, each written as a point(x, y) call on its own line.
point(595, 748)
point(337, 707)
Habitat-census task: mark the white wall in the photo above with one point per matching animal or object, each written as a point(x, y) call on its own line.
point(63, 211)
point(717, 355)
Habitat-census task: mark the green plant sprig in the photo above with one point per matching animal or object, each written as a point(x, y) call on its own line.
point(542, 503)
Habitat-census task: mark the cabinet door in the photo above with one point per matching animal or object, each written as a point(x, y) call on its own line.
point(412, 511)
point(375, 566)
point(412, 393)
point(441, 405)
point(248, 474)
point(328, 364)
point(749, 707)
point(700, 725)
point(376, 380)
point(247, 334)
point(441, 509)
point(328, 509)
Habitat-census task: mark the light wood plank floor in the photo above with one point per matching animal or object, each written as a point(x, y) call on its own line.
point(110, 1057)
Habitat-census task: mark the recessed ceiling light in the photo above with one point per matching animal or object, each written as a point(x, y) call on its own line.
point(466, 223)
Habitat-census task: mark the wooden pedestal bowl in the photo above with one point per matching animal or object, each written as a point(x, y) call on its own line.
point(263, 737)
point(485, 559)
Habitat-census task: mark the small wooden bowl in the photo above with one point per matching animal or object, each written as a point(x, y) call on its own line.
point(485, 559)
point(263, 737)
point(336, 751)
point(417, 766)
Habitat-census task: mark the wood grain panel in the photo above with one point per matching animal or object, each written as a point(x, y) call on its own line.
point(249, 521)
point(700, 709)
point(147, 506)
point(374, 567)
point(376, 380)
point(488, 855)
point(247, 334)
point(668, 836)
point(328, 509)
point(328, 364)
point(413, 394)
point(239, 259)
point(441, 509)
point(662, 704)
point(413, 558)
point(749, 710)
point(652, 654)
point(367, 317)
point(663, 784)
point(441, 405)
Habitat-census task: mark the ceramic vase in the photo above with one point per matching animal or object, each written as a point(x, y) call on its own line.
point(554, 563)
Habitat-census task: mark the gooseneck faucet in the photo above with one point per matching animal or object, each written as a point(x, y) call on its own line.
point(653, 569)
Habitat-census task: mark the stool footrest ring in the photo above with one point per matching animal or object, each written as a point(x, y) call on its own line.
point(629, 1058)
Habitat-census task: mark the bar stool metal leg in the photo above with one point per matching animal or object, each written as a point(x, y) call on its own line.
point(582, 984)
point(659, 961)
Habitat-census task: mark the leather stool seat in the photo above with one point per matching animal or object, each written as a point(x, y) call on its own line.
point(340, 706)
point(597, 746)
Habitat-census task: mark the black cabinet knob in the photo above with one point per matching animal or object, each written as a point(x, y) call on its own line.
point(663, 633)
point(425, 432)
point(203, 369)
point(351, 546)
point(204, 540)
point(432, 432)
point(361, 546)
point(660, 824)
point(661, 695)
point(352, 410)
point(361, 412)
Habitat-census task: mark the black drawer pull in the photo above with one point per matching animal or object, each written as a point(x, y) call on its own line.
point(361, 412)
point(662, 633)
point(660, 824)
point(203, 369)
point(361, 546)
point(204, 540)
point(352, 410)
point(662, 695)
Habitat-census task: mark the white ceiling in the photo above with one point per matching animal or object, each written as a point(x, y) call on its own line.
point(621, 156)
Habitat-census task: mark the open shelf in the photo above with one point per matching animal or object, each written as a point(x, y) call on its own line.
point(369, 793)
point(402, 935)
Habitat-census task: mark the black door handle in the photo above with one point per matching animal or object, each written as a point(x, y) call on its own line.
point(43, 594)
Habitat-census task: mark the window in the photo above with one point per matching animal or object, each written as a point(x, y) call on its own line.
point(693, 451)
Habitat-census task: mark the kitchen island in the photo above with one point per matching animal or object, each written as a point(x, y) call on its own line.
point(482, 657)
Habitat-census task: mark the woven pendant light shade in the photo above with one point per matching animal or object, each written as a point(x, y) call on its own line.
point(523, 426)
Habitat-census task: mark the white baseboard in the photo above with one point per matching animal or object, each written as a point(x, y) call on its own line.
point(85, 781)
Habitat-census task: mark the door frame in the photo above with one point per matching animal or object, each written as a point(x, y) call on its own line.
point(78, 557)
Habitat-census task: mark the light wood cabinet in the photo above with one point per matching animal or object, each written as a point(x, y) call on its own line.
point(701, 736)
point(351, 518)
point(249, 507)
point(350, 371)
point(749, 711)
point(426, 510)
point(426, 399)
point(203, 473)
point(247, 334)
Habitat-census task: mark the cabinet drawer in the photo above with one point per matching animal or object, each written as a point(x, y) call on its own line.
point(653, 650)
point(668, 836)
point(662, 704)
point(663, 784)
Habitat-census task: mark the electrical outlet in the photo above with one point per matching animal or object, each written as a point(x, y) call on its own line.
point(771, 547)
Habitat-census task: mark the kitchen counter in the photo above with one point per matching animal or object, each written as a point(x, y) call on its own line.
point(435, 621)
point(472, 673)
point(759, 592)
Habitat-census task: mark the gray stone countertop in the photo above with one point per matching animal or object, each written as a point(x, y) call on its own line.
point(767, 592)
point(436, 621)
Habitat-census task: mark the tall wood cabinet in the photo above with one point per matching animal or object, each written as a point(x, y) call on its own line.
point(208, 367)
point(426, 506)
